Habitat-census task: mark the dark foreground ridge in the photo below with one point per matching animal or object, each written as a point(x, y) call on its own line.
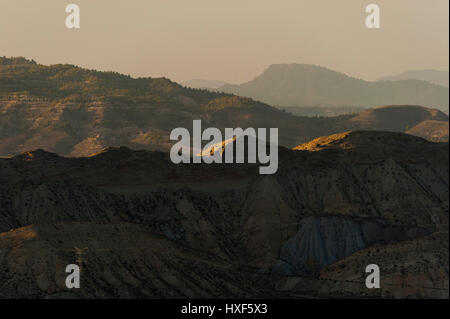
point(155, 229)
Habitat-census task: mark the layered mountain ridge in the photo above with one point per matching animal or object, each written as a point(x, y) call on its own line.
point(150, 226)
point(77, 112)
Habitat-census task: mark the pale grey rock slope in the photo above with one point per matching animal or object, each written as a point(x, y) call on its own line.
point(321, 241)
point(326, 239)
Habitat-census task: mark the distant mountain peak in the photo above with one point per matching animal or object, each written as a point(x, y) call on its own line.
point(438, 77)
point(305, 85)
point(295, 68)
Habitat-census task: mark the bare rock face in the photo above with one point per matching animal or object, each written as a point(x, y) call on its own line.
point(323, 241)
point(155, 229)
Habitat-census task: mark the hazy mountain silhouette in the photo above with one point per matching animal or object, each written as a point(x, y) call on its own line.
point(309, 85)
point(433, 76)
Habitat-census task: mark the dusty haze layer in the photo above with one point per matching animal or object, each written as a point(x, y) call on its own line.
point(229, 40)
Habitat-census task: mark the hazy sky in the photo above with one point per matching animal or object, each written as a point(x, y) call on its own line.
point(230, 40)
